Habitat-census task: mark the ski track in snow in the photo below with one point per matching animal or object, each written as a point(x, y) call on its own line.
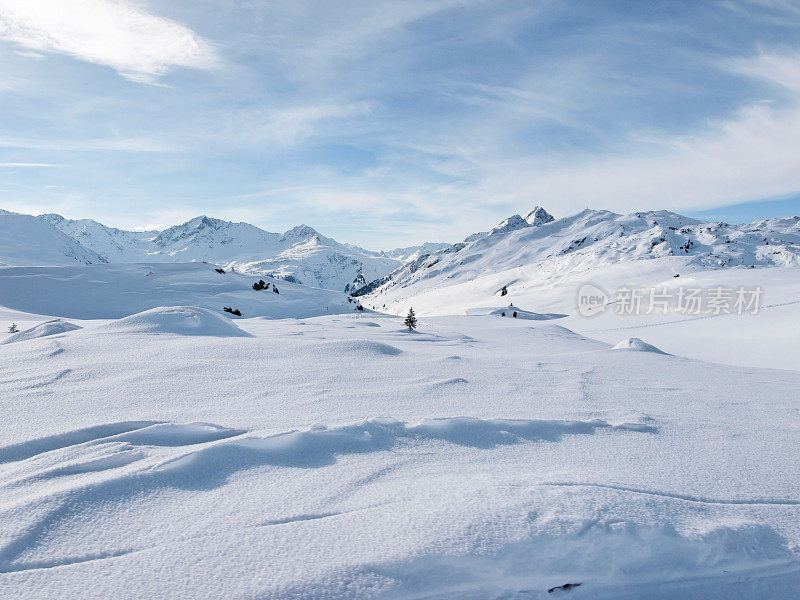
point(687, 498)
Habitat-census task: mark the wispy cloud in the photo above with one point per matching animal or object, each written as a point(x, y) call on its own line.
point(281, 125)
point(395, 122)
point(780, 68)
point(122, 144)
point(24, 164)
point(119, 34)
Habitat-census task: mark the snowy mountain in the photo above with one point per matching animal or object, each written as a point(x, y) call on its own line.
point(538, 216)
point(520, 254)
point(114, 245)
point(298, 445)
point(300, 255)
point(29, 241)
point(413, 252)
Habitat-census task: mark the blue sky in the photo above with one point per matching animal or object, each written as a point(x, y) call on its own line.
point(389, 123)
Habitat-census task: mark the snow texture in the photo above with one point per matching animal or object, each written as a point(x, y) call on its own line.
point(637, 345)
point(180, 320)
point(299, 255)
point(45, 329)
point(341, 457)
point(157, 447)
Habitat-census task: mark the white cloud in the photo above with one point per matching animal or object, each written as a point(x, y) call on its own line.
point(777, 68)
point(122, 144)
point(139, 45)
point(23, 164)
point(285, 126)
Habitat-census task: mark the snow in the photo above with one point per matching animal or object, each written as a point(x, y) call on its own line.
point(119, 290)
point(597, 239)
point(510, 310)
point(339, 457)
point(159, 447)
point(180, 320)
point(544, 268)
point(636, 345)
point(300, 254)
point(27, 241)
point(45, 329)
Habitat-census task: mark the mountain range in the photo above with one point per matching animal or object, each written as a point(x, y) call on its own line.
point(532, 258)
point(519, 252)
point(300, 255)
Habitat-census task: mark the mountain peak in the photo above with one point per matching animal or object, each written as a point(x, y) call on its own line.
point(538, 216)
point(202, 221)
point(512, 223)
point(301, 231)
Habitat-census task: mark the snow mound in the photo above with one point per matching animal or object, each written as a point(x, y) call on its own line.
point(508, 311)
point(177, 434)
point(181, 320)
point(637, 345)
point(363, 347)
point(45, 329)
point(321, 445)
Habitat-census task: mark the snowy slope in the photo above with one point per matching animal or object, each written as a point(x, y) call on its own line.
point(119, 290)
point(315, 260)
point(341, 457)
point(592, 239)
point(26, 240)
point(115, 245)
point(413, 252)
point(300, 254)
point(543, 269)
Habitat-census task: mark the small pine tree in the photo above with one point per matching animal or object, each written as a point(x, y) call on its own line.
point(13, 328)
point(504, 291)
point(411, 320)
point(515, 314)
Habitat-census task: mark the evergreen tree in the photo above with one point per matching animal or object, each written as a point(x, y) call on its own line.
point(13, 328)
point(504, 291)
point(411, 320)
point(515, 314)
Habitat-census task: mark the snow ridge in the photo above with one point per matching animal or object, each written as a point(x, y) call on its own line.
point(592, 239)
point(300, 255)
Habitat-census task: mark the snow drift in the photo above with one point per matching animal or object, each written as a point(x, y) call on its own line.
point(508, 311)
point(180, 320)
point(637, 345)
point(45, 329)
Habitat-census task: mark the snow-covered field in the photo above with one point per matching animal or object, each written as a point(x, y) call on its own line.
point(180, 454)
point(156, 446)
point(770, 338)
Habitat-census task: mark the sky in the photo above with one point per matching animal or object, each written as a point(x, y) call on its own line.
point(385, 123)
